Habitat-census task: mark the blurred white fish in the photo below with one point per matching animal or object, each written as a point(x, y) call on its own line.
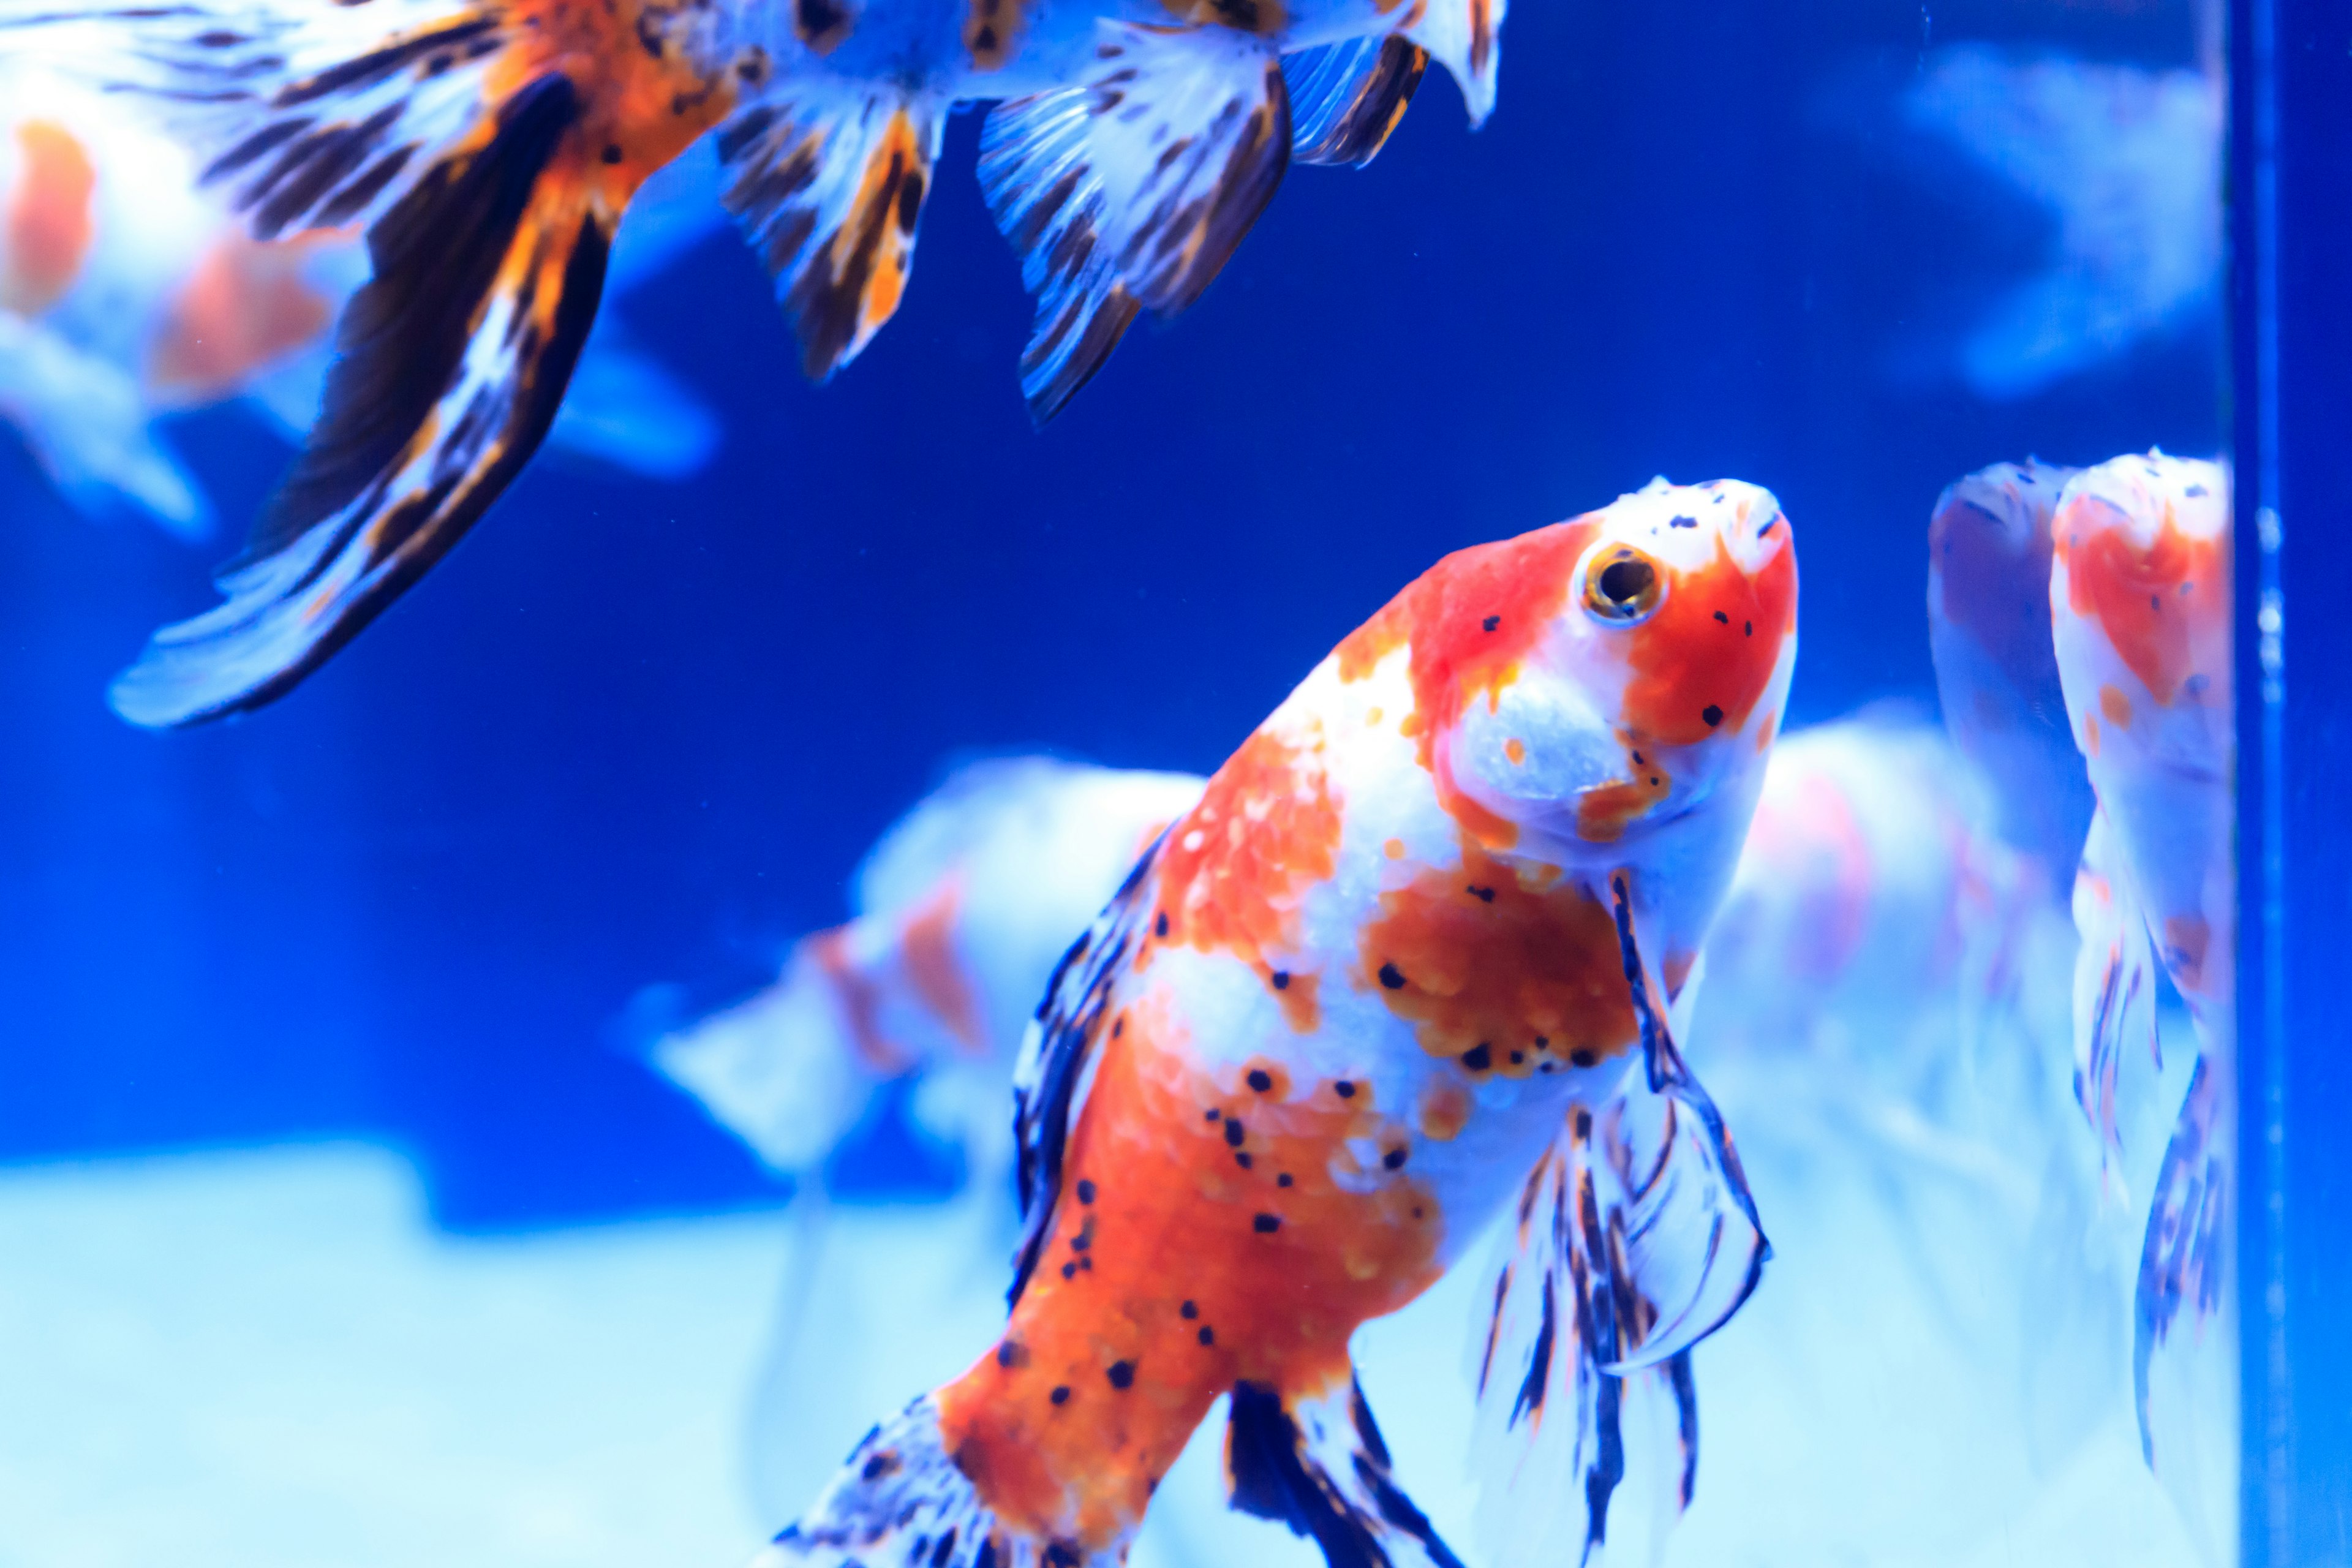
point(2126, 161)
point(127, 295)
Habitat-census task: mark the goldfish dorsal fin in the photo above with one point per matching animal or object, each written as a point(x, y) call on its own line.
point(1346, 98)
point(828, 188)
point(1465, 37)
point(1131, 189)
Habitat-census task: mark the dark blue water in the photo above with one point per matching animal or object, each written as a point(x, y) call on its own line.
point(633, 733)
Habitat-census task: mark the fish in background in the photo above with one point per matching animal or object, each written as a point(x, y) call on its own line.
point(127, 295)
point(489, 148)
point(1996, 667)
point(1405, 969)
point(2126, 161)
point(2139, 597)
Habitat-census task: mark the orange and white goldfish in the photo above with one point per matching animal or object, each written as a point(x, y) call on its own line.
point(1409, 956)
point(2139, 598)
point(1996, 669)
point(490, 147)
point(127, 294)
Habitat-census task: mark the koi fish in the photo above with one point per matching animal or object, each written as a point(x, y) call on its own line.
point(962, 909)
point(490, 146)
point(1409, 957)
point(126, 294)
point(1996, 671)
point(2139, 598)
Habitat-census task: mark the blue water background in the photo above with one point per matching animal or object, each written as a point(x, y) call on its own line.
point(633, 733)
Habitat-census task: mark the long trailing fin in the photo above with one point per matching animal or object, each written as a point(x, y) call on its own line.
point(1055, 1065)
point(1129, 190)
point(1315, 1461)
point(2114, 988)
point(2184, 1349)
point(1346, 98)
point(1634, 1237)
point(1465, 37)
point(828, 188)
point(901, 1501)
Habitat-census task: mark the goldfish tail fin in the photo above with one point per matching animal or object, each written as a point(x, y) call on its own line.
point(87, 426)
point(902, 1501)
point(828, 186)
point(1346, 98)
point(1636, 1238)
point(1315, 1462)
point(2115, 986)
point(2184, 1352)
point(1129, 190)
point(1465, 37)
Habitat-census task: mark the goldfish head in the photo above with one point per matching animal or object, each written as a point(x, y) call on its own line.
point(2139, 602)
point(1587, 682)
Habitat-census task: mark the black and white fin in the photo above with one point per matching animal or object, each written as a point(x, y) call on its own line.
point(2184, 1343)
point(2114, 988)
point(1465, 37)
point(1317, 1463)
point(1129, 190)
point(1634, 1237)
point(1058, 1054)
point(1346, 98)
point(454, 359)
point(901, 1501)
point(828, 186)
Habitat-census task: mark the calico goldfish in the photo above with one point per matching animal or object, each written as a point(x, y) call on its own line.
point(1406, 968)
point(2139, 599)
point(128, 294)
point(489, 148)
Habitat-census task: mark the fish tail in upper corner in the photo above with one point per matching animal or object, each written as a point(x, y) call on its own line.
point(489, 147)
point(902, 1501)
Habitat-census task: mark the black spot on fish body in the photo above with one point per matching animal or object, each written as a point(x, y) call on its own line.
point(1160, 926)
point(1243, 1160)
point(1725, 619)
point(1207, 1336)
point(1234, 1133)
point(1265, 1224)
point(1211, 1114)
point(1394, 1159)
point(1479, 1057)
point(1282, 1180)
point(1682, 522)
point(1392, 977)
point(1484, 895)
point(1085, 1191)
point(1491, 622)
point(1188, 1311)
point(1260, 1080)
point(1010, 1354)
point(1748, 629)
point(1121, 1374)
point(882, 1463)
point(1069, 1272)
point(1281, 978)
point(1712, 714)
point(1584, 1056)
point(611, 154)
point(1061, 1395)
point(1345, 1089)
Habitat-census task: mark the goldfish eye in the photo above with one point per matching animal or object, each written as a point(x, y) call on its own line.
point(1622, 585)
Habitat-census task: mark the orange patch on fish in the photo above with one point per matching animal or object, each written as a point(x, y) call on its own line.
point(1706, 656)
point(2186, 938)
point(1498, 976)
point(927, 948)
point(48, 224)
point(1180, 1263)
point(988, 27)
point(1235, 867)
point(245, 306)
point(1603, 812)
point(2115, 706)
point(2154, 603)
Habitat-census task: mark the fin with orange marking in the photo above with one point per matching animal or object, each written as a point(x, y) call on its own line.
point(1636, 1238)
point(2114, 988)
point(1128, 191)
point(1317, 1463)
point(828, 189)
point(1346, 98)
point(1465, 37)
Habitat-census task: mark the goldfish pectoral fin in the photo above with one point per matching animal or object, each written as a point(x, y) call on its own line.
point(901, 1501)
point(1055, 1065)
point(2184, 1346)
point(1465, 37)
point(1346, 98)
point(828, 188)
point(454, 357)
point(625, 408)
point(89, 428)
point(2114, 988)
point(1129, 190)
point(1315, 1462)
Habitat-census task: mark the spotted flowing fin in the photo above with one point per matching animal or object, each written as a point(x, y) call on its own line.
point(901, 1501)
point(1055, 1066)
point(2114, 988)
point(1346, 98)
point(1131, 190)
point(1315, 1462)
point(2184, 1346)
point(1465, 37)
point(828, 189)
